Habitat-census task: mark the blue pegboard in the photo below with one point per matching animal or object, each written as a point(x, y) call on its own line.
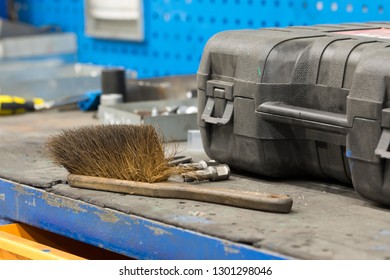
point(177, 30)
point(3, 9)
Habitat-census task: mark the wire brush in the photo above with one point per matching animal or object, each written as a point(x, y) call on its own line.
point(120, 151)
point(137, 156)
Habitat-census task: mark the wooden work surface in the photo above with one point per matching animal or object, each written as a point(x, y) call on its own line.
point(328, 221)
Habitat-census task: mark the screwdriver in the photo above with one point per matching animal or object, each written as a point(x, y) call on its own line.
point(10, 105)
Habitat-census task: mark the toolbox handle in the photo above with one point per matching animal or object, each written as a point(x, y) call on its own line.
point(209, 108)
point(300, 116)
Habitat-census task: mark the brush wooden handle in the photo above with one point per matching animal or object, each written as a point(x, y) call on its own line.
point(206, 193)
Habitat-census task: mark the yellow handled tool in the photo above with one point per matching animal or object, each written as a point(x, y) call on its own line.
point(14, 105)
point(10, 105)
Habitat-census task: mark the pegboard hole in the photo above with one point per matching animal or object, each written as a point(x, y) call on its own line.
point(276, 3)
point(304, 5)
point(349, 8)
point(237, 21)
point(167, 17)
point(334, 7)
point(212, 20)
point(381, 10)
point(320, 6)
point(365, 9)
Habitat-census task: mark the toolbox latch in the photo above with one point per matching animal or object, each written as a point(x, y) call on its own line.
point(219, 93)
point(382, 149)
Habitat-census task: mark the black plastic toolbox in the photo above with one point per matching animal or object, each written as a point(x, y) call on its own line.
point(300, 100)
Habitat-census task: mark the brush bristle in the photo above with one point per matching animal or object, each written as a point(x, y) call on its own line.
point(126, 152)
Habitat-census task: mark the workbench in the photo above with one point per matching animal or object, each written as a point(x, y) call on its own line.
point(328, 220)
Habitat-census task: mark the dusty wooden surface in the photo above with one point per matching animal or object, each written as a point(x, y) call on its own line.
point(328, 221)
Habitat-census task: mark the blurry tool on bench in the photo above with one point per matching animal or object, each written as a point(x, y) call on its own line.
point(110, 99)
point(10, 105)
point(160, 113)
point(113, 85)
point(160, 88)
point(113, 80)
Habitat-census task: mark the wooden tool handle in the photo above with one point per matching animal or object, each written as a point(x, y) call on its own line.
point(206, 193)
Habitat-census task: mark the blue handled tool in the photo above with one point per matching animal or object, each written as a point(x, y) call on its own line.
point(86, 102)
